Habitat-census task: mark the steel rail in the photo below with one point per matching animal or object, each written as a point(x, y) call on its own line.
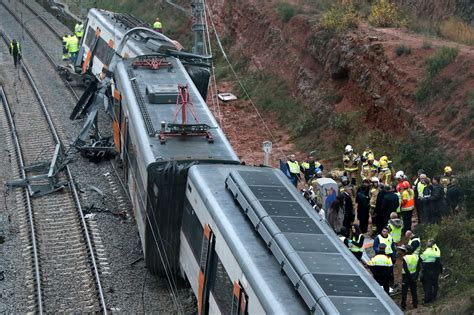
point(21, 162)
point(70, 180)
point(48, 56)
point(42, 18)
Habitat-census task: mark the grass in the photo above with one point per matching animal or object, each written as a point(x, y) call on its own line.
point(286, 11)
point(430, 87)
point(456, 30)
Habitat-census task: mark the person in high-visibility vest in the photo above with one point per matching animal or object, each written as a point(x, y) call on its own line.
point(432, 267)
point(413, 241)
point(15, 51)
point(66, 55)
point(73, 47)
point(411, 267)
point(157, 26)
point(351, 161)
point(407, 205)
point(395, 225)
point(419, 187)
point(79, 30)
point(294, 169)
point(381, 267)
point(356, 242)
point(310, 167)
point(385, 238)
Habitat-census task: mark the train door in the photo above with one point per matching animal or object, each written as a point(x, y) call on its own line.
point(207, 266)
point(240, 300)
point(126, 148)
point(117, 120)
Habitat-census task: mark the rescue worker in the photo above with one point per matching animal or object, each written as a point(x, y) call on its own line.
point(431, 266)
point(370, 168)
point(351, 161)
point(385, 238)
point(294, 169)
point(66, 55)
point(411, 267)
point(73, 47)
point(356, 243)
point(454, 196)
point(419, 187)
point(395, 225)
point(447, 178)
point(385, 171)
point(15, 51)
point(414, 242)
point(381, 267)
point(342, 235)
point(407, 205)
point(79, 30)
point(373, 195)
point(367, 152)
point(157, 26)
point(310, 167)
point(400, 177)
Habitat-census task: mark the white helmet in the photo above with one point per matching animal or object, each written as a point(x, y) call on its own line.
point(348, 148)
point(399, 175)
point(374, 179)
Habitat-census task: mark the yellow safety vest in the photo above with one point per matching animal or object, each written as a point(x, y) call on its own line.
point(17, 47)
point(79, 30)
point(430, 254)
point(294, 167)
point(396, 233)
point(419, 188)
point(388, 242)
point(409, 196)
point(354, 248)
point(305, 165)
point(412, 262)
point(380, 260)
point(73, 44)
point(417, 250)
point(157, 25)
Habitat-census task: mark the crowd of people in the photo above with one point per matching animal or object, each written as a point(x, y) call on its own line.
point(382, 207)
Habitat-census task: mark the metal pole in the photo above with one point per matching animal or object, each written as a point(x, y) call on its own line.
point(267, 149)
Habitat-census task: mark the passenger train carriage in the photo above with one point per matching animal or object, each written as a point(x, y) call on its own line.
point(244, 238)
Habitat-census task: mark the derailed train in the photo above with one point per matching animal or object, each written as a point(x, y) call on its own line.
point(229, 229)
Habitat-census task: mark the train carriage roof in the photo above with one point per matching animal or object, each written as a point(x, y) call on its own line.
point(307, 248)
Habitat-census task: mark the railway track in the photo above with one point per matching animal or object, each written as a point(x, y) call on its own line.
point(65, 272)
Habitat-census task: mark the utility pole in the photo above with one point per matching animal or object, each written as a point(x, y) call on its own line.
point(198, 27)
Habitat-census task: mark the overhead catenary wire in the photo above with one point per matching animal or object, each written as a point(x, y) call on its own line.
point(247, 95)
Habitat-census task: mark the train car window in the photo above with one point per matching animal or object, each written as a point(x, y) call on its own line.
point(239, 300)
point(222, 288)
point(101, 50)
point(192, 229)
point(90, 37)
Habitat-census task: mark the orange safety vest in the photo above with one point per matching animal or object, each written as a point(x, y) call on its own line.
point(408, 202)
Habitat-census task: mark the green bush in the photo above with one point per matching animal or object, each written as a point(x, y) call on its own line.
point(346, 121)
point(440, 59)
point(339, 18)
point(384, 14)
point(286, 11)
point(402, 49)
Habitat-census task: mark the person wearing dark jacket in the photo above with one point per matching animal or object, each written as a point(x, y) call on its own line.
point(348, 209)
point(363, 205)
point(432, 267)
point(411, 269)
point(390, 203)
point(381, 267)
point(15, 51)
point(335, 216)
point(379, 218)
point(437, 204)
point(454, 195)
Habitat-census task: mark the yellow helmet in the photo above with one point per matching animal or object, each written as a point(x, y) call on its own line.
point(448, 169)
point(384, 158)
point(370, 157)
point(383, 163)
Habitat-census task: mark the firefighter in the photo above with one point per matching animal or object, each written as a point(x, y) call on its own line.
point(15, 51)
point(385, 171)
point(79, 31)
point(351, 163)
point(157, 26)
point(447, 178)
point(369, 168)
